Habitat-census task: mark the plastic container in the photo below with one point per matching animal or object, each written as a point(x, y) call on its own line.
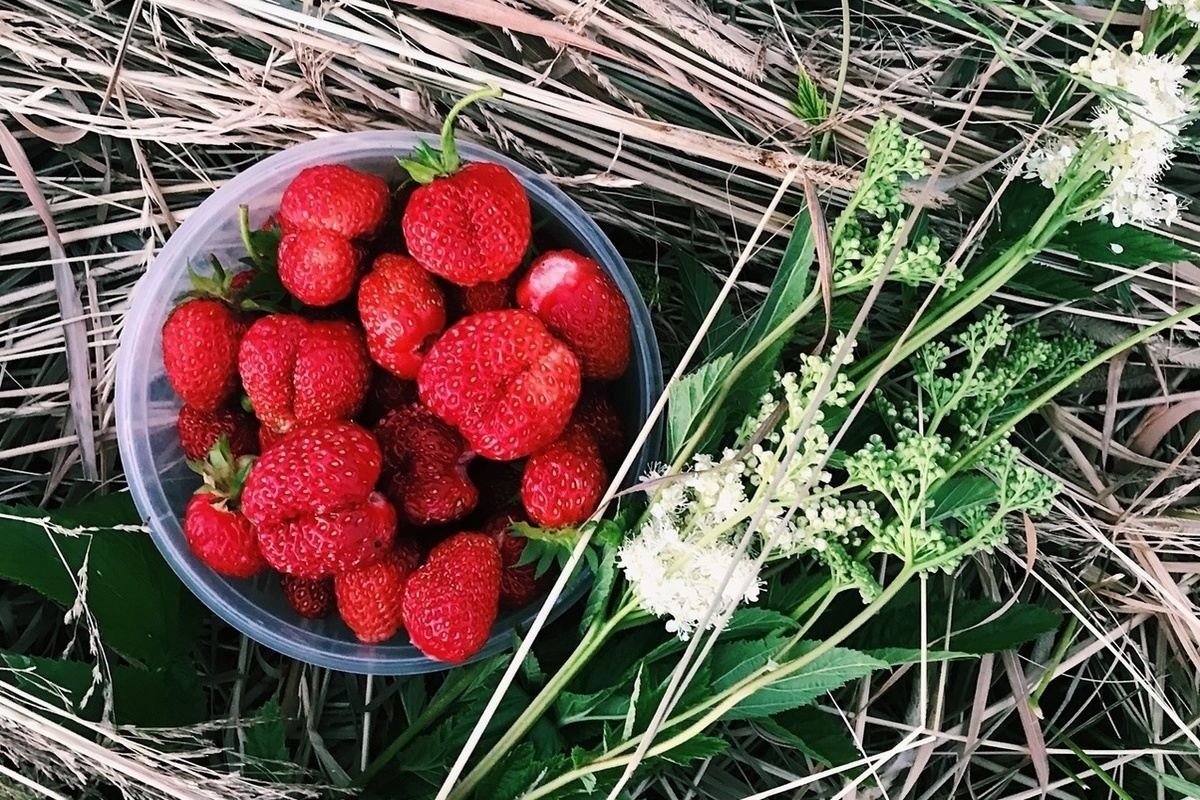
point(146, 406)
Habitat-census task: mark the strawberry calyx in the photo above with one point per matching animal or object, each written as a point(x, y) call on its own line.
point(428, 164)
point(224, 476)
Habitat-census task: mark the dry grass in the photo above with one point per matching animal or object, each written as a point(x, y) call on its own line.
point(668, 120)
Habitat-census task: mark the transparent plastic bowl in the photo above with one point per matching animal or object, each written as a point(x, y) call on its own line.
point(146, 405)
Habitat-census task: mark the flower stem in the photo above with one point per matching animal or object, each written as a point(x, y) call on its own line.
point(595, 637)
point(719, 705)
point(450, 159)
point(458, 683)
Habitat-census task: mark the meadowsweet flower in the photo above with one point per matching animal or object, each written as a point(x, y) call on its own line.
point(677, 576)
point(1138, 122)
point(1188, 9)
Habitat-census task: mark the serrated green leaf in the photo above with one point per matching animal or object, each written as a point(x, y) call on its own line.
point(822, 737)
point(828, 671)
point(515, 776)
point(1186, 789)
point(749, 621)
point(267, 756)
point(973, 630)
point(694, 749)
point(690, 399)
point(733, 661)
point(141, 608)
point(896, 656)
point(700, 291)
point(606, 577)
point(603, 704)
point(1127, 246)
point(960, 494)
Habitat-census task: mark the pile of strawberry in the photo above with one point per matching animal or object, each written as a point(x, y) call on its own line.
point(375, 443)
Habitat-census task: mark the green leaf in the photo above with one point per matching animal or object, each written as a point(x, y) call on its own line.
point(141, 608)
point(517, 774)
point(691, 398)
point(603, 704)
point(972, 628)
point(147, 698)
point(960, 494)
point(750, 621)
point(897, 656)
point(733, 661)
point(694, 749)
point(828, 671)
point(602, 586)
point(1176, 784)
point(700, 291)
point(788, 290)
point(1127, 246)
point(267, 756)
point(822, 737)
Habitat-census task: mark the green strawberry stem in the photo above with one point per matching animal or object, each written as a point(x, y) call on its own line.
point(429, 164)
point(244, 226)
point(223, 474)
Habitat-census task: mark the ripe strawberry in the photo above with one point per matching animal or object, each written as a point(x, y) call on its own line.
point(334, 198)
point(311, 599)
point(329, 543)
point(427, 461)
point(385, 393)
point(200, 351)
point(503, 380)
point(200, 430)
point(596, 414)
point(221, 537)
point(215, 529)
point(298, 372)
point(519, 586)
point(486, 296)
point(402, 310)
point(581, 305)
point(319, 268)
point(468, 223)
point(370, 599)
point(563, 483)
point(452, 600)
point(313, 470)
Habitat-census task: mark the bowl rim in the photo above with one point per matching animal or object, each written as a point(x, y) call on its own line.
point(233, 607)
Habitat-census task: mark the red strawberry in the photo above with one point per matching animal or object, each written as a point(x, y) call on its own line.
point(452, 600)
point(468, 223)
point(241, 280)
point(581, 305)
point(200, 352)
point(503, 380)
point(329, 543)
point(596, 414)
point(402, 310)
point(563, 483)
point(319, 268)
point(313, 470)
point(200, 430)
point(298, 372)
point(488, 296)
point(311, 599)
point(428, 461)
point(519, 586)
point(385, 393)
point(221, 537)
point(215, 529)
point(334, 198)
point(370, 599)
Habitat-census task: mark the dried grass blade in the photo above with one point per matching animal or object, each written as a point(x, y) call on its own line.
point(70, 306)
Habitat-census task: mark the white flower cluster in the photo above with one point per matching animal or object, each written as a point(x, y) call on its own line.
point(1189, 9)
point(1139, 120)
point(678, 559)
point(676, 574)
